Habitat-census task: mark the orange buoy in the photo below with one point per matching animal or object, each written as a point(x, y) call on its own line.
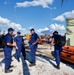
point(68, 54)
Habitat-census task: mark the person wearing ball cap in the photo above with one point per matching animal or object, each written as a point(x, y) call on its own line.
point(33, 44)
point(8, 50)
point(19, 46)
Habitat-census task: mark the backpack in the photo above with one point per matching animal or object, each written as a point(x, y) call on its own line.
point(2, 42)
point(59, 41)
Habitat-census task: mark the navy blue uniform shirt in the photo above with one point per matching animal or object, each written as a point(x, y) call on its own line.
point(18, 40)
point(8, 39)
point(33, 38)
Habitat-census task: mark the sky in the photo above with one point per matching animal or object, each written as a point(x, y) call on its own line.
point(22, 15)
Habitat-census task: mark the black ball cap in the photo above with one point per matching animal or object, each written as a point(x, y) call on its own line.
point(55, 32)
point(10, 29)
point(32, 29)
point(18, 32)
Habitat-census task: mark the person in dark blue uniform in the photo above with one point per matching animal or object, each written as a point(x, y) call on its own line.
point(8, 50)
point(19, 46)
point(57, 48)
point(33, 44)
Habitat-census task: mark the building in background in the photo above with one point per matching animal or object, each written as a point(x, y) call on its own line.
point(70, 31)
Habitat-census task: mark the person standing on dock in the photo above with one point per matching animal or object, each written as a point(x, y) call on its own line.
point(8, 50)
point(19, 41)
point(33, 44)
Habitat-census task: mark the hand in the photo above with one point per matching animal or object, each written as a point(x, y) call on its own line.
point(16, 47)
point(14, 44)
point(63, 47)
point(50, 48)
point(33, 43)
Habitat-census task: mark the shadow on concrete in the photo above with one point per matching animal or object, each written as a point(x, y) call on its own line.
point(68, 63)
point(25, 67)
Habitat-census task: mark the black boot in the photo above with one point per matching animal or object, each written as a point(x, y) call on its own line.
point(11, 66)
point(18, 60)
point(58, 66)
point(8, 71)
point(32, 64)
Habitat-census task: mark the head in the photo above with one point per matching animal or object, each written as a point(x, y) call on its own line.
point(10, 31)
point(55, 33)
point(32, 31)
point(18, 33)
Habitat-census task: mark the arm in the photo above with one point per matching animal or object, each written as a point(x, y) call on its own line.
point(15, 43)
point(51, 44)
point(9, 41)
point(9, 44)
point(37, 39)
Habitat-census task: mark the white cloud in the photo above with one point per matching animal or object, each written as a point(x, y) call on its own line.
point(54, 27)
point(30, 27)
point(62, 17)
point(57, 27)
point(43, 3)
point(40, 30)
point(69, 14)
point(7, 23)
point(59, 18)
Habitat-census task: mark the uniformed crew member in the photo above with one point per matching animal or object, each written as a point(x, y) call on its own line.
point(8, 50)
point(57, 50)
point(19, 46)
point(33, 43)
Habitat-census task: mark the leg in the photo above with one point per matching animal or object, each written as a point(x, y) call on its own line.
point(60, 50)
point(18, 53)
point(33, 54)
point(11, 57)
point(57, 56)
point(7, 53)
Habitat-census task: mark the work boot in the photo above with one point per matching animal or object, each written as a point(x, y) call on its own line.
point(8, 71)
point(58, 66)
point(18, 60)
point(32, 64)
point(11, 66)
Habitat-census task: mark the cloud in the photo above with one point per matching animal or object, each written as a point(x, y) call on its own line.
point(69, 14)
point(58, 27)
point(7, 23)
point(59, 18)
point(40, 30)
point(43, 3)
point(31, 27)
point(53, 27)
point(62, 17)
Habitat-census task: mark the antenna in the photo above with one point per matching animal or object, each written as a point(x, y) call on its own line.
point(14, 17)
point(62, 2)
